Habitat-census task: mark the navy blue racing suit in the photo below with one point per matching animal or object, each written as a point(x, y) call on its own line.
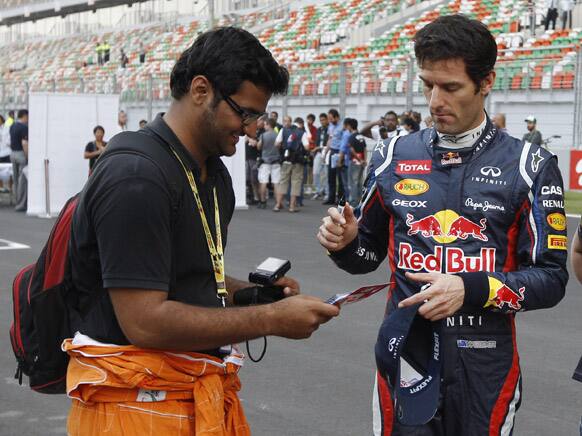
point(492, 214)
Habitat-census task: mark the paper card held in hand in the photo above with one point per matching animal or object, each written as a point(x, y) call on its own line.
point(357, 295)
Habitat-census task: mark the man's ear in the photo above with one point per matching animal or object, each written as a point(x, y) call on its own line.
point(201, 91)
point(487, 83)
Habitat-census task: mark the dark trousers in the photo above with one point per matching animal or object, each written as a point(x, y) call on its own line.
point(334, 181)
point(551, 15)
point(566, 19)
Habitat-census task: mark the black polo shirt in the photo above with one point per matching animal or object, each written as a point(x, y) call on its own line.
point(125, 234)
point(18, 132)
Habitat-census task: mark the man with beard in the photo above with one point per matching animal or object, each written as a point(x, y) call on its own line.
point(388, 121)
point(152, 354)
point(473, 224)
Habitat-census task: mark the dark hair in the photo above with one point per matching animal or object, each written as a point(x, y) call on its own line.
point(276, 113)
point(351, 122)
point(458, 37)
point(391, 113)
point(11, 114)
point(142, 121)
point(334, 112)
point(311, 117)
point(271, 122)
point(323, 114)
point(22, 113)
point(410, 122)
point(227, 56)
point(98, 128)
point(2, 118)
point(299, 120)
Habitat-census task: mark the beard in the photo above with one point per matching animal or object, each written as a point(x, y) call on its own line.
point(211, 135)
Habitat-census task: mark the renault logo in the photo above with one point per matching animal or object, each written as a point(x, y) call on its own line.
point(491, 171)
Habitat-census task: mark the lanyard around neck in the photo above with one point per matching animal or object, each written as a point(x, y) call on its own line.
point(215, 249)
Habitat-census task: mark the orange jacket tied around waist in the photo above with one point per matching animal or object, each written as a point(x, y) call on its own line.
point(125, 390)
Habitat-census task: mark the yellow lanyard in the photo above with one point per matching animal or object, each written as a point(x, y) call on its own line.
point(215, 249)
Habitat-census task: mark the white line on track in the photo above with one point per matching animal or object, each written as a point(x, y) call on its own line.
point(573, 215)
point(9, 245)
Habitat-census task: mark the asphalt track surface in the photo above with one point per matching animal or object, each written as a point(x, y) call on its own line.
point(321, 386)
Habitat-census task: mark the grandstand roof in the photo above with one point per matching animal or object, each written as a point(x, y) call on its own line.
point(19, 11)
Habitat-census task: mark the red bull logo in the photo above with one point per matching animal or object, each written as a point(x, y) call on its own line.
point(454, 259)
point(446, 226)
point(502, 296)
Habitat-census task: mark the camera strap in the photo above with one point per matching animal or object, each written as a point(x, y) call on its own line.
point(215, 249)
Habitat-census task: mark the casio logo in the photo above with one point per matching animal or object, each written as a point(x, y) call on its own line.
point(491, 171)
point(551, 190)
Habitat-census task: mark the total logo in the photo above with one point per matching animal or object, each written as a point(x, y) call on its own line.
point(446, 226)
point(414, 167)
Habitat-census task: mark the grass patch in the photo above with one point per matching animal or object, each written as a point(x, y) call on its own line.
point(573, 202)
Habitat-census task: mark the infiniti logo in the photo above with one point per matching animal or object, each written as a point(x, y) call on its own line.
point(491, 171)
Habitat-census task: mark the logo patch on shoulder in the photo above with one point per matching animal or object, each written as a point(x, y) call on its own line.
point(414, 167)
point(557, 242)
point(411, 187)
point(536, 159)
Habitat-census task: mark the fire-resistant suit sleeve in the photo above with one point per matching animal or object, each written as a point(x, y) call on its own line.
point(535, 274)
point(367, 251)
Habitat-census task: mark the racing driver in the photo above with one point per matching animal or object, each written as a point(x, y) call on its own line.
point(474, 213)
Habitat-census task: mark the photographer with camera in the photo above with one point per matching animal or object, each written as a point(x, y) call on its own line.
point(294, 143)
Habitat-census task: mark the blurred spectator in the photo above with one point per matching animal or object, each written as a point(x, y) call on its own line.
point(5, 150)
point(251, 164)
point(344, 158)
point(416, 117)
point(142, 124)
point(123, 60)
point(142, 53)
point(499, 121)
point(428, 122)
point(319, 165)
point(94, 148)
point(410, 125)
point(551, 14)
point(10, 119)
point(293, 140)
point(533, 135)
point(4, 141)
point(99, 52)
point(121, 122)
point(312, 137)
point(270, 162)
point(576, 262)
point(334, 183)
point(275, 116)
point(19, 158)
point(566, 7)
point(389, 121)
point(106, 52)
point(357, 144)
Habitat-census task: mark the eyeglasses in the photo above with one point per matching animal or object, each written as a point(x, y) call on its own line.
point(247, 117)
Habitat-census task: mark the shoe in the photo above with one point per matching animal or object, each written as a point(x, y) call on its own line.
point(293, 210)
point(262, 205)
point(315, 197)
point(276, 209)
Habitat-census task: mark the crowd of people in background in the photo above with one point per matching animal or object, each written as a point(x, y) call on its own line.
point(324, 160)
point(14, 157)
point(326, 156)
